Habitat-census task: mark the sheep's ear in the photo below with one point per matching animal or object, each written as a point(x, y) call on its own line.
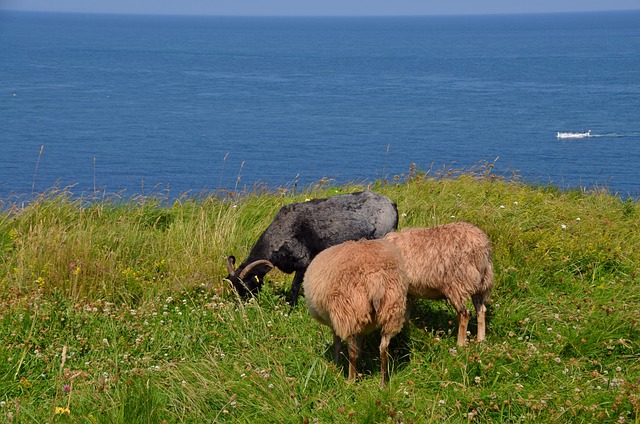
point(231, 261)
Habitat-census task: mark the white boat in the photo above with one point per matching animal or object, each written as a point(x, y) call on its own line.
point(574, 135)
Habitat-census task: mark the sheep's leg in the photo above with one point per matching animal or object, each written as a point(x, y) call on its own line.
point(481, 313)
point(337, 348)
point(462, 327)
point(384, 344)
point(295, 287)
point(354, 352)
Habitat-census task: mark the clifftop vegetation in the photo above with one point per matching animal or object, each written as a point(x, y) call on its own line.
point(116, 311)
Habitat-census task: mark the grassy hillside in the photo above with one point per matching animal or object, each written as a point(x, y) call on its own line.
point(117, 312)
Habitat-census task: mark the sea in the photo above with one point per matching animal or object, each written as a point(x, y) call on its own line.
point(132, 105)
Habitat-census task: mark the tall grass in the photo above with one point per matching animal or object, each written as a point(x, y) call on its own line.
point(116, 311)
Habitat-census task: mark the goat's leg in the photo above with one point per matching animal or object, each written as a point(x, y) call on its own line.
point(354, 352)
point(337, 348)
point(463, 317)
point(384, 345)
point(481, 313)
point(298, 277)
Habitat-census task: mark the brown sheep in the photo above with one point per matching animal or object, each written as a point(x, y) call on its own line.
point(451, 261)
point(355, 288)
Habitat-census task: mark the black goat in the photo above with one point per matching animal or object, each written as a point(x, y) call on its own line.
point(300, 231)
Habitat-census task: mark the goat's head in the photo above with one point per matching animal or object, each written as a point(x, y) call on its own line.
point(247, 280)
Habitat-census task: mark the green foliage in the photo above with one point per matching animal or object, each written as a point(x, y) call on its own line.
point(116, 311)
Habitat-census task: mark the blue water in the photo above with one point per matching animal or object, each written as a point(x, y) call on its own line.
point(141, 104)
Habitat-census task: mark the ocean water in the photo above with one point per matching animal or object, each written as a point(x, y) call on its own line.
point(179, 105)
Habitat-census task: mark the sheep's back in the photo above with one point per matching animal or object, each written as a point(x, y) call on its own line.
point(355, 285)
point(444, 258)
point(299, 231)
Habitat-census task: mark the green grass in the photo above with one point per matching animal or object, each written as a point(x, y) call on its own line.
point(116, 311)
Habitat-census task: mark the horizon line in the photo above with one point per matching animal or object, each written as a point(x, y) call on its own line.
point(387, 15)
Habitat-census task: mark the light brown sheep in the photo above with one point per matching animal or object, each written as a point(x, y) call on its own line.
point(355, 288)
point(451, 261)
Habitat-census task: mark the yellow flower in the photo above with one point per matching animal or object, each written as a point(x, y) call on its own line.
point(60, 410)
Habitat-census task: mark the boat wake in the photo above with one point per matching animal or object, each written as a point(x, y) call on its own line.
point(617, 135)
point(588, 134)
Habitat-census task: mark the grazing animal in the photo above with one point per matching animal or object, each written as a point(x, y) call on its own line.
point(451, 261)
point(300, 231)
point(355, 288)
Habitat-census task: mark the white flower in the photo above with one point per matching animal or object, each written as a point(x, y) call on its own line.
point(564, 227)
point(502, 206)
point(578, 219)
point(477, 379)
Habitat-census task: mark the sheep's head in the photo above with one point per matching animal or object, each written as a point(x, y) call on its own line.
point(247, 280)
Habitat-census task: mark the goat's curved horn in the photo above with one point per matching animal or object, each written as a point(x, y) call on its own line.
point(252, 265)
point(231, 261)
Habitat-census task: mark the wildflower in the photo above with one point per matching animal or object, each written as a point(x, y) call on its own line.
point(453, 351)
point(502, 206)
point(60, 410)
point(564, 227)
point(66, 388)
point(477, 379)
point(441, 402)
point(578, 219)
point(515, 203)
